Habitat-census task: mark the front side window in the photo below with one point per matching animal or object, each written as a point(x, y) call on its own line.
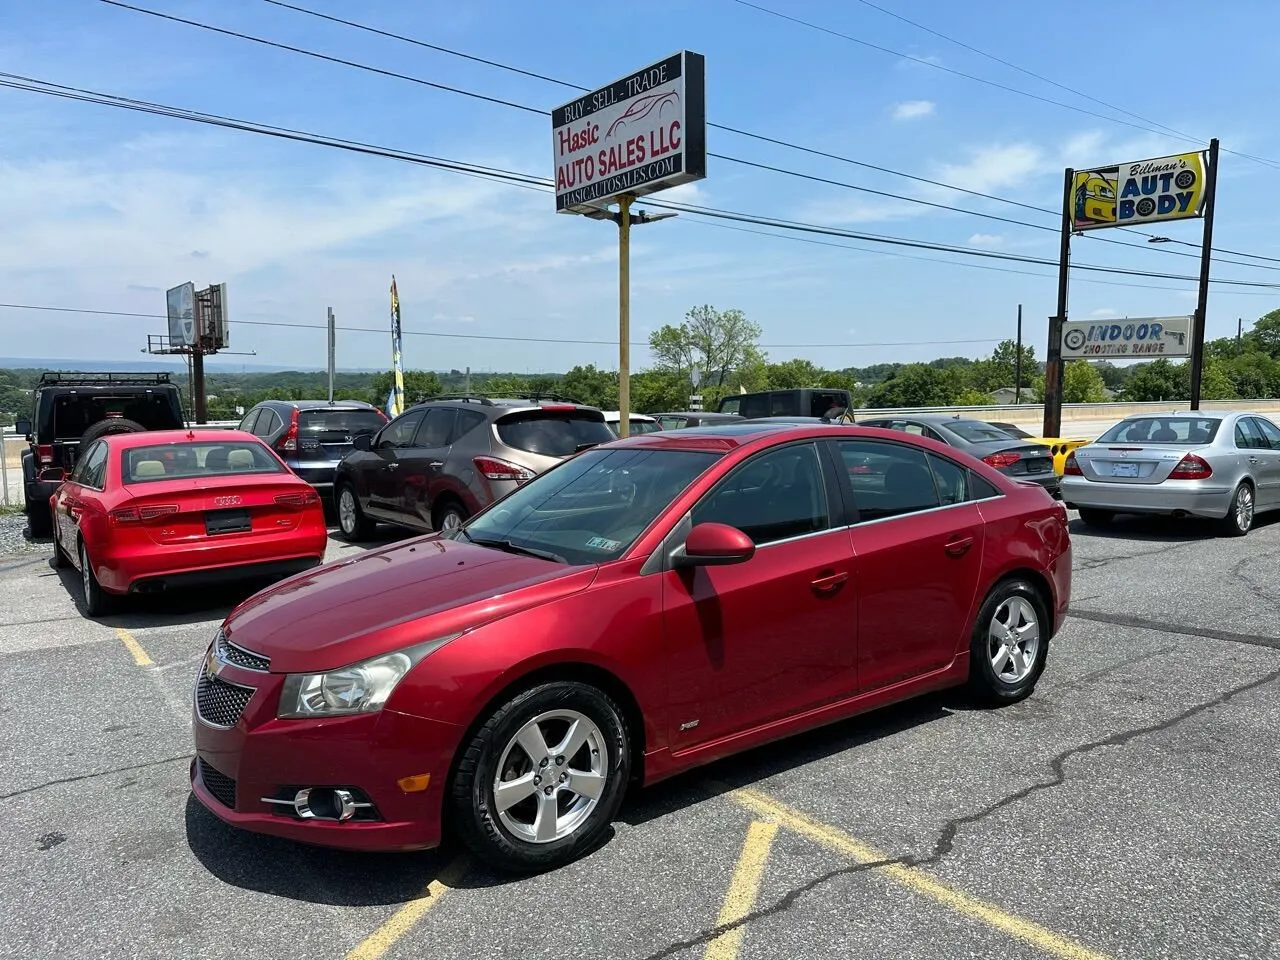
point(774, 496)
point(177, 461)
point(399, 432)
point(590, 509)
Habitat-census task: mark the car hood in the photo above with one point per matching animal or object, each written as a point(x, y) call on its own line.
point(386, 599)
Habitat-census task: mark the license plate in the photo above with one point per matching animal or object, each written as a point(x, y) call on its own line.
point(1037, 466)
point(1124, 469)
point(227, 521)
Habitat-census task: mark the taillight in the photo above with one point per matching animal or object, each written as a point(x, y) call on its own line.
point(1072, 467)
point(998, 460)
point(137, 514)
point(298, 499)
point(495, 469)
point(1192, 467)
point(45, 453)
point(289, 442)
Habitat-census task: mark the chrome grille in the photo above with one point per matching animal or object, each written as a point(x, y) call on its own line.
point(218, 784)
point(228, 652)
point(219, 703)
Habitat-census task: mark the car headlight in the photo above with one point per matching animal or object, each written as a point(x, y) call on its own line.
point(359, 688)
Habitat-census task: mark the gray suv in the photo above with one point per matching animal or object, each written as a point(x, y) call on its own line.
point(449, 457)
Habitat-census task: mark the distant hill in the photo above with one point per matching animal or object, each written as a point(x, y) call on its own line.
point(144, 366)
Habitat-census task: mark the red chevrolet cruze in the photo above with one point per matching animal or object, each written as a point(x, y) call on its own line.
point(647, 606)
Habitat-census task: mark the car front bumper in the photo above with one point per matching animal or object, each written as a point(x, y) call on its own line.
point(259, 758)
point(1183, 497)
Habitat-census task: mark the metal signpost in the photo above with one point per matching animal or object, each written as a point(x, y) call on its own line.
point(1170, 188)
point(197, 327)
point(638, 135)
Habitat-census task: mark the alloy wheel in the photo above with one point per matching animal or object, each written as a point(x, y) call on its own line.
point(86, 573)
point(347, 510)
point(450, 521)
point(1013, 640)
point(1244, 508)
point(551, 776)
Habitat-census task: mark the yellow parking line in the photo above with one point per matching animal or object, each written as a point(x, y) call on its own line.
point(402, 921)
point(742, 890)
point(140, 656)
point(917, 880)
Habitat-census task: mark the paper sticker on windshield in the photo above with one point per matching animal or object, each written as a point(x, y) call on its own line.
point(600, 543)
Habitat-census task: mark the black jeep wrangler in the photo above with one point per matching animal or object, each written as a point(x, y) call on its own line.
point(71, 410)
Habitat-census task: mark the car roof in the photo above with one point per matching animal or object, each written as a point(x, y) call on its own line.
point(730, 436)
point(146, 438)
point(318, 404)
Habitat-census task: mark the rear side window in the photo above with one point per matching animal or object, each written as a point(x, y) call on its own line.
point(889, 479)
point(339, 424)
point(171, 461)
point(552, 434)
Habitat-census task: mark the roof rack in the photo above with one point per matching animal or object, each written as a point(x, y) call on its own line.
point(468, 397)
point(74, 378)
point(488, 401)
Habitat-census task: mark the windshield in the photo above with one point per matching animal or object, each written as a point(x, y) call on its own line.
point(976, 431)
point(75, 413)
point(592, 508)
point(346, 423)
point(1163, 430)
point(176, 461)
point(551, 433)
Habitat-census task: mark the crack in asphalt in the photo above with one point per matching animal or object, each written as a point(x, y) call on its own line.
point(1200, 633)
point(90, 776)
point(1095, 563)
point(1252, 586)
point(946, 841)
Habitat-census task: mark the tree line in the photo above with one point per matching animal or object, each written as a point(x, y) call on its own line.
point(723, 346)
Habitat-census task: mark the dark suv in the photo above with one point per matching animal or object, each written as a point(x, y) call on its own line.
point(70, 410)
point(449, 457)
point(312, 436)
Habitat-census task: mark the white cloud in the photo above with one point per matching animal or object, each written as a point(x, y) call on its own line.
point(1104, 313)
point(994, 167)
point(986, 240)
point(913, 109)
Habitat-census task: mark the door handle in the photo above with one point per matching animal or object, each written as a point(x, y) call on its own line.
point(392, 466)
point(829, 583)
point(959, 547)
point(1253, 459)
point(436, 463)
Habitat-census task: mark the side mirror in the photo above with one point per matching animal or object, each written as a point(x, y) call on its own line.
point(22, 428)
point(362, 441)
point(715, 545)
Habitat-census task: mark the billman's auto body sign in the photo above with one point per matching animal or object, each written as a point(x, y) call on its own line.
point(638, 135)
point(1142, 191)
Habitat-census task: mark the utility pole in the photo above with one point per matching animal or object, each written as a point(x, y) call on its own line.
point(1053, 355)
point(1017, 363)
point(1239, 335)
point(333, 350)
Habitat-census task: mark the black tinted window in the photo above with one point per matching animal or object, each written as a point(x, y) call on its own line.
point(437, 428)
point(92, 466)
point(977, 431)
point(888, 479)
point(73, 414)
point(1269, 432)
point(1247, 435)
point(340, 423)
point(774, 496)
point(399, 432)
point(468, 420)
point(552, 434)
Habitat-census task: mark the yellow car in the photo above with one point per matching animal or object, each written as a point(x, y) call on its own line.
point(1095, 200)
point(1058, 446)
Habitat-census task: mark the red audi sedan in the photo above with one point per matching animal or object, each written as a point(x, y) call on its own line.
point(650, 605)
point(145, 511)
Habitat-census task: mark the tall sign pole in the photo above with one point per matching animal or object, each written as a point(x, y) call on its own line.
point(636, 136)
point(1206, 254)
point(397, 372)
point(1053, 353)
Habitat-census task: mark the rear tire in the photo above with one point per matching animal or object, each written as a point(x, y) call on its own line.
point(1010, 644)
point(39, 522)
point(1095, 518)
point(97, 602)
point(353, 524)
point(517, 835)
point(104, 428)
point(1239, 518)
point(60, 559)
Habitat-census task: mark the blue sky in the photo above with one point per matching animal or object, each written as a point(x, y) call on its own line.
point(103, 208)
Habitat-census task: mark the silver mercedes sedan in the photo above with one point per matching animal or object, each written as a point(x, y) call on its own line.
point(1221, 466)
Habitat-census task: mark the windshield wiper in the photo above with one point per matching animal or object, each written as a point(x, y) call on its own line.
point(510, 547)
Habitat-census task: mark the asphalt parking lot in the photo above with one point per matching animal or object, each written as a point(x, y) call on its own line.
point(1129, 809)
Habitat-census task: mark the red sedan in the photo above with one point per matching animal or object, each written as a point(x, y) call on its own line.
point(146, 511)
point(650, 605)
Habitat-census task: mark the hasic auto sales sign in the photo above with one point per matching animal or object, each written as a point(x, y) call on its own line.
point(638, 135)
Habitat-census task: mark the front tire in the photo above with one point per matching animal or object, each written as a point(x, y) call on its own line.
point(97, 602)
point(449, 516)
point(1010, 644)
point(541, 780)
point(353, 523)
point(1239, 518)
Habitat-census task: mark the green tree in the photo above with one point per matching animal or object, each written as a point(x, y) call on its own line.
point(658, 391)
point(589, 385)
point(789, 374)
point(1081, 383)
point(969, 397)
point(1000, 369)
point(916, 385)
point(1265, 335)
point(718, 342)
point(417, 383)
point(1158, 380)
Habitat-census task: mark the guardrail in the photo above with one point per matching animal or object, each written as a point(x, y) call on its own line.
point(1034, 412)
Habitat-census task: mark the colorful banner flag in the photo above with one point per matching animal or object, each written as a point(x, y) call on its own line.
point(395, 403)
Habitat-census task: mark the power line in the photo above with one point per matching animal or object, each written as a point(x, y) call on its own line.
point(478, 336)
point(535, 110)
point(991, 83)
point(544, 184)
